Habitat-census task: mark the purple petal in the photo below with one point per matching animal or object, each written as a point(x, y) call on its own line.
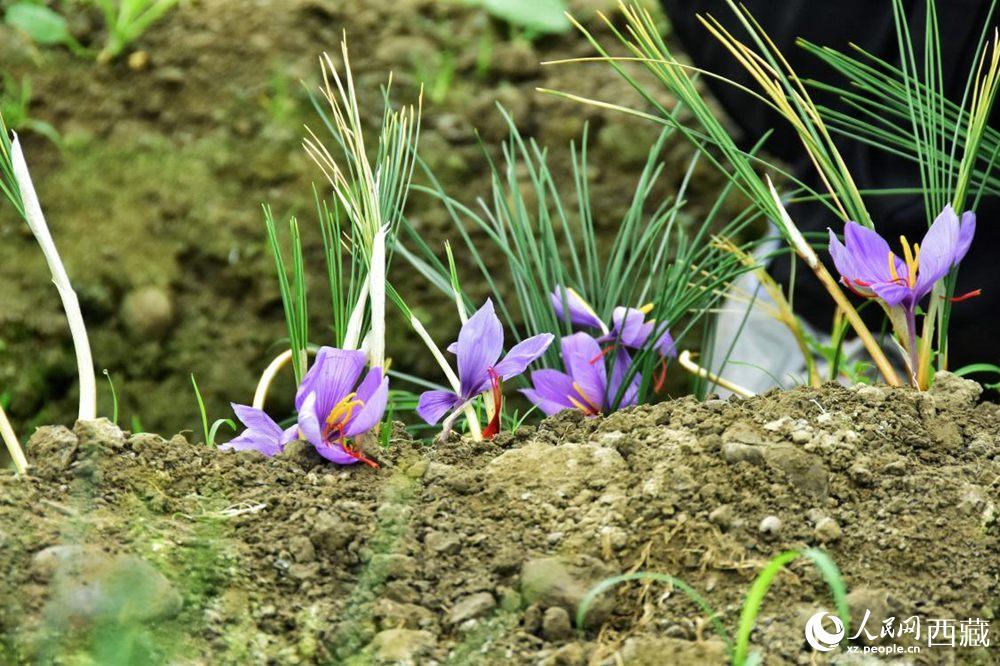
point(290, 434)
point(254, 440)
point(479, 345)
point(841, 257)
point(665, 345)
point(869, 255)
point(372, 411)
point(938, 251)
point(335, 453)
point(584, 363)
point(622, 364)
point(309, 423)
point(257, 420)
point(522, 355)
point(630, 327)
point(550, 391)
point(894, 293)
point(966, 230)
point(580, 312)
point(368, 385)
point(435, 404)
point(331, 378)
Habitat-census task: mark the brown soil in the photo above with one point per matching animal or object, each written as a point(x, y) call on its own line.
point(154, 200)
point(465, 553)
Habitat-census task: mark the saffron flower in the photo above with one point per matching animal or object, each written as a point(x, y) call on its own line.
point(334, 406)
point(477, 352)
point(584, 385)
point(869, 268)
point(629, 327)
point(261, 434)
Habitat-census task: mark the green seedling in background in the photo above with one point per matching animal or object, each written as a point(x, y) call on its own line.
point(534, 17)
point(114, 398)
point(44, 26)
point(124, 20)
point(15, 101)
point(210, 432)
point(437, 76)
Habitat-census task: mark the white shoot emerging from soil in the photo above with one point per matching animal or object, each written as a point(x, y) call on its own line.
point(13, 445)
point(36, 222)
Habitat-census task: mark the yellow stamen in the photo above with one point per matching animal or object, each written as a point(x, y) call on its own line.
point(342, 411)
point(892, 267)
point(910, 256)
point(646, 309)
point(593, 408)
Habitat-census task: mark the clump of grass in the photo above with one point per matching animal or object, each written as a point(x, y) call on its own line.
point(779, 88)
point(739, 649)
point(549, 239)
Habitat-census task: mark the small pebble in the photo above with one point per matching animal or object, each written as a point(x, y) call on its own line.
point(770, 526)
point(556, 625)
point(827, 529)
point(722, 517)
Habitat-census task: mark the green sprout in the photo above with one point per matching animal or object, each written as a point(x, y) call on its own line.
point(739, 649)
point(534, 17)
point(114, 396)
point(15, 103)
point(124, 20)
point(210, 432)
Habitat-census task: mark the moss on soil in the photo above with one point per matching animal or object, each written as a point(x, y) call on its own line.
point(477, 553)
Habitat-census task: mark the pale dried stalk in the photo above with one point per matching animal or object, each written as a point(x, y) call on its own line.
point(78, 330)
point(13, 445)
point(267, 377)
point(687, 362)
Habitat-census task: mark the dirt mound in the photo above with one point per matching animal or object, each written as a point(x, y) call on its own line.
point(480, 553)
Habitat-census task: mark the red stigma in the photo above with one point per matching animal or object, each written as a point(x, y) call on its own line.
point(333, 437)
point(847, 283)
point(661, 375)
point(494, 426)
point(604, 352)
point(967, 296)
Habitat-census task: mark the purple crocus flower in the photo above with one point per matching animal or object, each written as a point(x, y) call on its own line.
point(869, 268)
point(334, 407)
point(629, 327)
point(261, 434)
point(477, 351)
point(585, 384)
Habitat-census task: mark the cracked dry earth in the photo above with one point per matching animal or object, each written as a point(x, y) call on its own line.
point(134, 549)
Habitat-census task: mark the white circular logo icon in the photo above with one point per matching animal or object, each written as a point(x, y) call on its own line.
point(821, 639)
